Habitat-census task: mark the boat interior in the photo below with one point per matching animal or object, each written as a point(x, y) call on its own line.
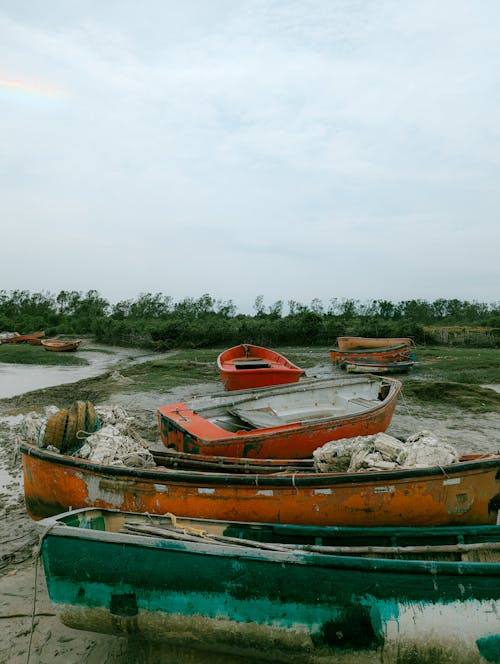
point(250, 363)
point(281, 408)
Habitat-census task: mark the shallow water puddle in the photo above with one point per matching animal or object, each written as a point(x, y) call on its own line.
point(15, 379)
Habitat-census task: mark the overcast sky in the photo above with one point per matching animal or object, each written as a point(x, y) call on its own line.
point(290, 149)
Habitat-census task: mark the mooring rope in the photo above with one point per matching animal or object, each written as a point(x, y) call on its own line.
point(36, 553)
point(405, 403)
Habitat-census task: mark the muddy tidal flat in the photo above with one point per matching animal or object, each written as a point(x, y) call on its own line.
point(28, 622)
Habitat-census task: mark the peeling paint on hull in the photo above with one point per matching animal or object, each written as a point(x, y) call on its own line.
point(274, 606)
point(54, 483)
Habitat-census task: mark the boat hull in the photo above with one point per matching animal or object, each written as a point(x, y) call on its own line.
point(399, 353)
point(465, 493)
point(380, 369)
point(247, 367)
point(271, 605)
point(32, 339)
point(353, 343)
point(188, 427)
point(55, 345)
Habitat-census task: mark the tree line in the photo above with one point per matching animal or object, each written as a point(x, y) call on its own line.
point(156, 320)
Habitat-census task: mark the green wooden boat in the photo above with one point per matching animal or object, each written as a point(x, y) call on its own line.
point(275, 592)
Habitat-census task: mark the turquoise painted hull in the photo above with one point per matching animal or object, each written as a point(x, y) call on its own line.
point(273, 605)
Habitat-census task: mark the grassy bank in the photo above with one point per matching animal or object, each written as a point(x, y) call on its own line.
point(452, 378)
point(26, 354)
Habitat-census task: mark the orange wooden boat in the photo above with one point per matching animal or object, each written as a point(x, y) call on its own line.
point(23, 338)
point(60, 346)
point(355, 343)
point(465, 493)
point(247, 366)
point(398, 353)
point(287, 421)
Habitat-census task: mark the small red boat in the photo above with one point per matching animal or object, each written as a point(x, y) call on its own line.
point(282, 422)
point(247, 366)
point(60, 346)
point(354, 343)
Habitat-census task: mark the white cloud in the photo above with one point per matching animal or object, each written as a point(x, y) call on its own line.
point(312, 144)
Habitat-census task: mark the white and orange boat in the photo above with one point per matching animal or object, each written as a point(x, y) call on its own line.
point(282, 422)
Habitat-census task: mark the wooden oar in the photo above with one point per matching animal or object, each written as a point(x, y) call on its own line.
point(180, 534)
point(427, 548)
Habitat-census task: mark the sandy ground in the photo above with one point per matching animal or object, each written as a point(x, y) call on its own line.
point(28, 623)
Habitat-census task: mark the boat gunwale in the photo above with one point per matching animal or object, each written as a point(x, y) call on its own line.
point(368, 351)
point(55, 527)
point(293, 479)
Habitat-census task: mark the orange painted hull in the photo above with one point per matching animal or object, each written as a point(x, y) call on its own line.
point(354, 343)
point(247, 366)
point(466, 493)
point(399, 353)
point(184, 428)
point(22, 338)
point(56, 345)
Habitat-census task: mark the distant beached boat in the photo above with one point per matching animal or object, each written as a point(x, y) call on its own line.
point(354, 343)
point(23, 338)
point(400, 353)
point(58, 345)
point(379, 367)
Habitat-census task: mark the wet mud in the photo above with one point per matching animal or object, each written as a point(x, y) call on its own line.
point(27, 619)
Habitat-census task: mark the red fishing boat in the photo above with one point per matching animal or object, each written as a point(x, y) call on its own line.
point(247, 366)
point(463, 493)
point(287, 421)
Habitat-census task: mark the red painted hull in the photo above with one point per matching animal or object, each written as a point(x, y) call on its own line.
point(247, 367)
point(465, 493)
point(184, 426)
